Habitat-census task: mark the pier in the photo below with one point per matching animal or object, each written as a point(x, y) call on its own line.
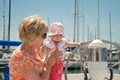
point(81, 76)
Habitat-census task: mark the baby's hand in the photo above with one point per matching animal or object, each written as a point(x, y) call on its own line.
point(81, 44)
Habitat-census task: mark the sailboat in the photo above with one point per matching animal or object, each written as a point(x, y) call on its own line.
point(93, 61)
point(5, 52)
point(96, 68)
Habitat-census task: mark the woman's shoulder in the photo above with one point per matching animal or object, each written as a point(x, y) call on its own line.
point(17, 55)
point(19, 59)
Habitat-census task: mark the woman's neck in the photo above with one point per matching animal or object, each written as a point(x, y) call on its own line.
point(29, 48)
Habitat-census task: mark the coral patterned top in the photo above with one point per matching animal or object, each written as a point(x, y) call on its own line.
point(24, 67)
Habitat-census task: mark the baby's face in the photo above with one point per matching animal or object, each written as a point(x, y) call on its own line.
point(57, 37)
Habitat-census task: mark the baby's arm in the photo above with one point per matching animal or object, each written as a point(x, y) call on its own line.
point(74, 44)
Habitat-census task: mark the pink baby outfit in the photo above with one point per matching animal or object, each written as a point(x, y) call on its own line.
point(57, 69)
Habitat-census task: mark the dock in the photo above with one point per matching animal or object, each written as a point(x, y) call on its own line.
point(81, 76)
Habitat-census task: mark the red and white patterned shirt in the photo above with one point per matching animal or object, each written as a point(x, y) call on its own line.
point(21, 64)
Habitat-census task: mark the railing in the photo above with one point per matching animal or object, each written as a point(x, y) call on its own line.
point(115, 63)
point(82, 53)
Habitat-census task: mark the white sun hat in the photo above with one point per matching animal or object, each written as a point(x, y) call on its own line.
point(56, 28)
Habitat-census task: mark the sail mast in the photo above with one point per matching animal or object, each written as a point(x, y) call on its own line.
point(76, 22)
point(110, 35)
point(9, 21)
point(3, 21)
point(74, 37)
point(98, 28)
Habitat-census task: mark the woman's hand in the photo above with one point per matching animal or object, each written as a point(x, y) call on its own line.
point(52, 58)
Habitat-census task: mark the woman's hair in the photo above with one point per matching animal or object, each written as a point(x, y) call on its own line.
point(31, 28)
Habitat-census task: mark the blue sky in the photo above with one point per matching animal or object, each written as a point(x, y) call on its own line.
point(63, 11)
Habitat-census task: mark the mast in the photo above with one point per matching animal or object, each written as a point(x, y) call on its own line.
point(110, 66)
point(110, 35)
point(3, 21)
point(9, 21)
point(88, 32)
point(83, 26)
point(76, 22)
point(95, 33)
point(98, 28)
point(74, 37)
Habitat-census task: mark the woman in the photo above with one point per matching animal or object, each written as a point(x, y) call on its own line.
point(28, 60)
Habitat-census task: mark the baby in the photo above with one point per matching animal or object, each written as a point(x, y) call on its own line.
point(58, 42)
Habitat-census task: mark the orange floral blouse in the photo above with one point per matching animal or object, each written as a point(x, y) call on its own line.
point(20, 61)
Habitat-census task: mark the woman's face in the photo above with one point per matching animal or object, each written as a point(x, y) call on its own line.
point(39, 40)
point(57, 37)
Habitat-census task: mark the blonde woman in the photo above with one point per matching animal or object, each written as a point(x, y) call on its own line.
point(27, 60)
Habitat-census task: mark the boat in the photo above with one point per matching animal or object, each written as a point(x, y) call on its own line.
point(95, 68)
point(5, 52)
point(5, 59)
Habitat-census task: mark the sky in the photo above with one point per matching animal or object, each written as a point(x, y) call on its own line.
point(63, 11)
